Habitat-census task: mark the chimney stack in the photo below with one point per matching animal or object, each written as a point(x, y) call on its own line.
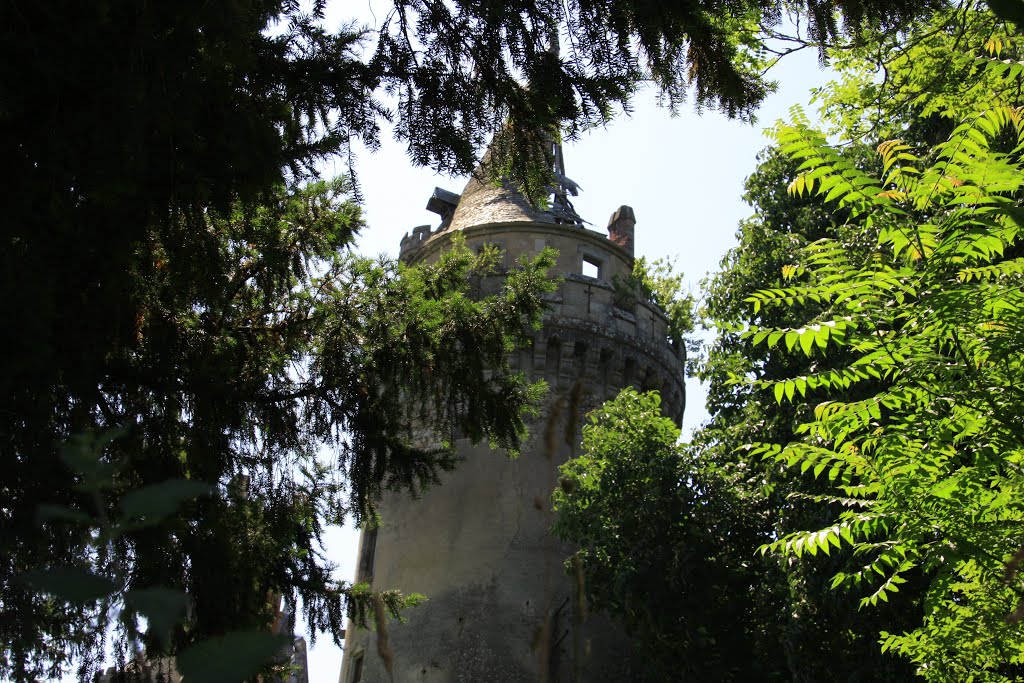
point(622, 227)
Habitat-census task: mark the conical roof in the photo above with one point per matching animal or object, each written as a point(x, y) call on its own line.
point(485, 202)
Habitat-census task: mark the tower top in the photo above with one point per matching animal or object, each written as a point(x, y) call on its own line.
point(484, 201)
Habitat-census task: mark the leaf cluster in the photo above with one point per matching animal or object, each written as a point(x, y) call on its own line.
point(922, 466)
point(916, 86)
point(640, 510)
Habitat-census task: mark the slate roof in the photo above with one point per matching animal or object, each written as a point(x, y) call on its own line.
point(482, 203)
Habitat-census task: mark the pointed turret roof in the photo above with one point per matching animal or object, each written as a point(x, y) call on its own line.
point(483, 201)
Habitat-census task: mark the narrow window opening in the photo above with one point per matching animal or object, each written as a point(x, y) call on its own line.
point(651, 381)
point(579, 353)
point(553, 359)
point(628, 372)
point(604, 369)
point(357, 669)
point(366, 554)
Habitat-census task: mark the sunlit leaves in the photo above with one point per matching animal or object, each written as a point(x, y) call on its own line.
point(932, 314)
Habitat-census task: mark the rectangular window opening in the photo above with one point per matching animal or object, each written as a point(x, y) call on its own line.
point(591, 267)
point(357, 669)
point(366, 554)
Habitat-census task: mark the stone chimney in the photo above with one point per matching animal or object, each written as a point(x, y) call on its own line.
point(621, 227)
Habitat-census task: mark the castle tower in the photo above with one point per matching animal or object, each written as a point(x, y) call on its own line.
point(500, 605)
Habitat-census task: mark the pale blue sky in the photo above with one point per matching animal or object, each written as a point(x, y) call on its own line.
point(683, 176)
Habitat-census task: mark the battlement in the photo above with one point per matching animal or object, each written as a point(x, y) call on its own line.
point(597, 330)
point(601, 360)
point(622, 227)
point(412, 242)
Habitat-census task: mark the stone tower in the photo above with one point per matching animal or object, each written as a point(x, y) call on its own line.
point(501, 607)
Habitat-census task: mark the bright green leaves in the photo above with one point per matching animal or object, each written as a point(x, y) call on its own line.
point(823, 540)
point(812, 341)
point(829, 174)
point(814, 336)
point(922, 428)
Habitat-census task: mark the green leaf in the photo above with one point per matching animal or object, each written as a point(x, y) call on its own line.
point(945, 488)
point(73, 584)
point(231, 658)
point(164, 608)
point(47, 512)
point(807, 342)
point(157, 501)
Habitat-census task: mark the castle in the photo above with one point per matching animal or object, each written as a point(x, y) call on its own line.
point(501, 607)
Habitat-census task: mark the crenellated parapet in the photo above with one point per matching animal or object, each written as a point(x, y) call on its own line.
point(605, 335)
point(602, 360)
point(622, 227)
point(411, 242)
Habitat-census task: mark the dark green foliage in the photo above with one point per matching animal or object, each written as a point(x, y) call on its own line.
point(649, 523)
point(236, 656)
point(501, 70)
